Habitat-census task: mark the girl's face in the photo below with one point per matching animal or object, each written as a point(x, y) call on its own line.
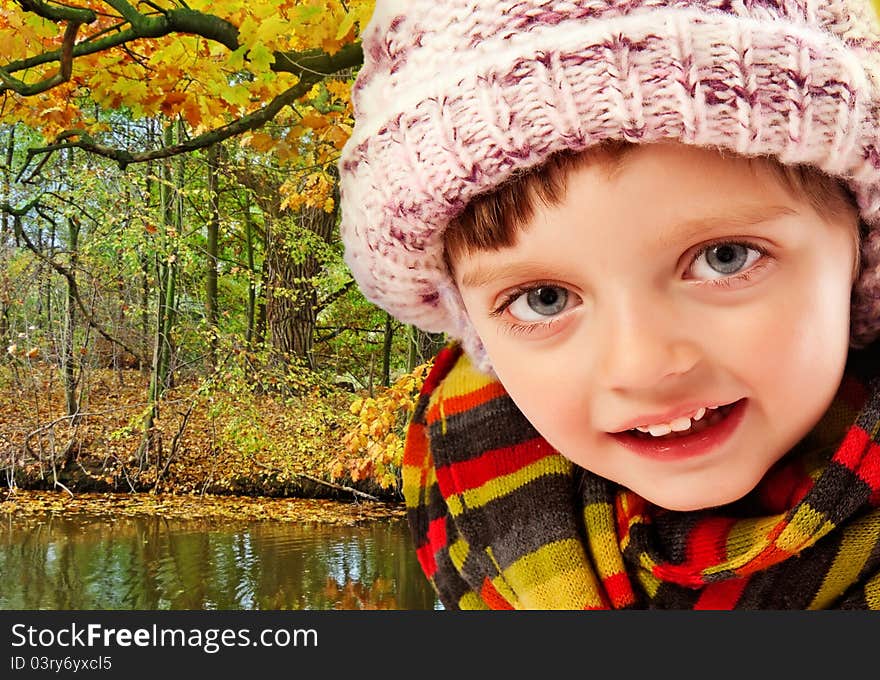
point(676, 327)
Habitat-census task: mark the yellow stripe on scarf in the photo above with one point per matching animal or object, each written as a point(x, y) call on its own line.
point(602, 539)
point(854, 551)
point(872, 592)
point(498, 487)
point(556, 576)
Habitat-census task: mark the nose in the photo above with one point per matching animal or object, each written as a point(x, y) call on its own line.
point(645, 344)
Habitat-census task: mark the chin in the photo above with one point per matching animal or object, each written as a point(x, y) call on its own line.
point(687, 501)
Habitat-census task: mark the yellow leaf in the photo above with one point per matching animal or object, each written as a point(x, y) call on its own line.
point(346, 25)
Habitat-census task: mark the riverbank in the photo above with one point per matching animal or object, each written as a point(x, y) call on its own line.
point(222, 441)
point(31, 503)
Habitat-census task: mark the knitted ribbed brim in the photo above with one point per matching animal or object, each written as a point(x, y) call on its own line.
point(454, 96)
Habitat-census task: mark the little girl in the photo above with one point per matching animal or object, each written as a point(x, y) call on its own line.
point(651, 231)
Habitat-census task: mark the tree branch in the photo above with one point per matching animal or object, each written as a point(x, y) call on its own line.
point(65, 68)
point(313, 68)
point(335, 295)
point(18, 213)
point(317, 480)
point(58, 12)
point(180, 20)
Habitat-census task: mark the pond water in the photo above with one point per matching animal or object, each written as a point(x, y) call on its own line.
point(92, 562)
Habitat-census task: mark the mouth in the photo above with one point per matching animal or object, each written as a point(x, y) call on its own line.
point(701, 437)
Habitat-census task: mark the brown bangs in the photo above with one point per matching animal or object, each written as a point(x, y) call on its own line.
point(493, 220)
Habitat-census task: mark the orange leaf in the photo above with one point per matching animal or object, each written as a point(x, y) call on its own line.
point(313, 121)
point(171, 103)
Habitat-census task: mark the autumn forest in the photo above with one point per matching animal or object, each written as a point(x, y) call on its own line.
point(175, 314)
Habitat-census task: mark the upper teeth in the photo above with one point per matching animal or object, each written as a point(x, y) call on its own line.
point(677, 425)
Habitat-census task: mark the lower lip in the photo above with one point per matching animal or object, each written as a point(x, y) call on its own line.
point(688, 446)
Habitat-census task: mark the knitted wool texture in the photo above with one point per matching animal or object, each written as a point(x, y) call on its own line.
point(501, 521)
point(456, 95)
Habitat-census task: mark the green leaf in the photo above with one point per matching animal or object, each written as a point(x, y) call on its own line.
point(306, 14)
point(345, 25)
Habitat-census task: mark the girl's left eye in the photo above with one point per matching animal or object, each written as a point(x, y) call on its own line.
point(723, 260)
point(535, 304)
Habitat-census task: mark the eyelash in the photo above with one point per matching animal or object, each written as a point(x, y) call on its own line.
point(512, 295)
point(518, 328)
point(728, 281)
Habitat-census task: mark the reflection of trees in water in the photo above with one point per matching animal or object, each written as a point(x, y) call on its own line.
point(154, 563)
point(360, 595)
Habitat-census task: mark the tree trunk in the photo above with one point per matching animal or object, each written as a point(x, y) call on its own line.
point(145, 312)
point(287, 307)
point(252, 273)
point(5, 243)
point(7, 183)
point(386, 350)
point(166, 274)
point(262, 322)
point(145, 275)
point(292, 298)
point(68, 371)
point(213, 233)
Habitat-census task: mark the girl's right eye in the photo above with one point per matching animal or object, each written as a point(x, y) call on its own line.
point(535, 304)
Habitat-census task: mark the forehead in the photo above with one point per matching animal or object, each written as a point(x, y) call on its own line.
point(661, 193)
point(493, 221)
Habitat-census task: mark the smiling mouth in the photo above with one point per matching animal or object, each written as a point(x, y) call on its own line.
point(703, 437)
point(711, 418)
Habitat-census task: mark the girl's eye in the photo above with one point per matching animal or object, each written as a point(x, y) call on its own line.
point(721, 260)
point(537, 304)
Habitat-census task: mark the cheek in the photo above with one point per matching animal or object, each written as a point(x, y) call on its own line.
point(548, 394)
point(796, 337)
point(559, 415)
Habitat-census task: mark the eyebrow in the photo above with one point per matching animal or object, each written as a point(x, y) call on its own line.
point(743, 216)
point(483, 276)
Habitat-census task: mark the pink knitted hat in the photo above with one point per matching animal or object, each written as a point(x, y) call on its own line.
point(455, 95)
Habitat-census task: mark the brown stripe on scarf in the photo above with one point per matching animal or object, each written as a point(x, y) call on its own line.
point(470, 434)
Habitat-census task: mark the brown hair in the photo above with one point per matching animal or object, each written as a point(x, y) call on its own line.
point(492, 221)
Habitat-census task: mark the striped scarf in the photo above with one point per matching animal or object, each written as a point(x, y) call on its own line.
point(501, 520)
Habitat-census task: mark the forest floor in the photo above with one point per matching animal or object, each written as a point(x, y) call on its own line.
point(227, 452)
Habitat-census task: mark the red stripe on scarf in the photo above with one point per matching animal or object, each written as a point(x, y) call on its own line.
point(686, 575)
point(862, 456)
point(770, 555)
point(436, 541)
point(869, 470)
point(493, 599)
point(443, 363)
point(707, 543)
point(470, 474)
point(784, 486)
point(706, 546)
point(415, 451)
point(721, 595)
point(453, 405)
point(852, 449)
point(425, 554)
point(619, 590)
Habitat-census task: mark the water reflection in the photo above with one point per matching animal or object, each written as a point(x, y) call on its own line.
point(89, 562)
